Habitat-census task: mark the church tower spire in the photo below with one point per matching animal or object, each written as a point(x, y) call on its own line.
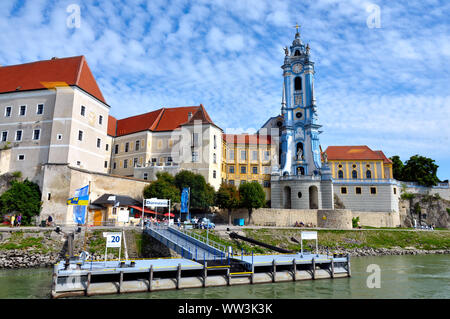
point(299, 141)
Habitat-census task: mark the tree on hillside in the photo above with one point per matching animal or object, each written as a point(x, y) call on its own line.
point(164, 188)
point(420, 169)
point(201, 193)
point(22, 198)
point(397, 167)
point(251, 196)
point(227, 197)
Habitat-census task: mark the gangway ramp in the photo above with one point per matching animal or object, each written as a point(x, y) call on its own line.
point(188, 244)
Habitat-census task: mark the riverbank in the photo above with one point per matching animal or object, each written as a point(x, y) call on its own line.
point(30, 248)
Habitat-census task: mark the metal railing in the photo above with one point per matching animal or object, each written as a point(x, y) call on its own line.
point(203, 239)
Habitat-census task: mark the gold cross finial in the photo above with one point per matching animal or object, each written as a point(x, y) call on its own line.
point(296, 26)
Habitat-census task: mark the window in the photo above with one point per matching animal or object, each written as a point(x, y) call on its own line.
point(4, 136)
point(169, 159)
point(343, 190)
point(40, 109)
point(215, 142)
point(266, 169)
point(254, 155)
point(127, 146)
point(266, 155)
point(214, 174)
point(99, 142)
point(354, 174)
point(231, 182)
point(80, 135)
point(298, 115)
point(243, 155)
point(114, 165)
point(194, 139)
point(137, 145)
point(106, 164)
point(373, 190)
point(194, 157)
point(358, 190)
point(83, 110)
point(340, 174)
point(114, 211)
point(106, 147)
point(8, 111)
point(125, 163)
point(231, 155)
point(214, 158)
point(266, 184)
point(49, 196)
point(78, 163)
point(22, 110)
point(145, 176)
point(21, 157)
point(100, 119)
point(395, 191)
point(116, 148)
point(243, 169)
point(59, 137)
point(299, 194)
point(135, 162)
point(231, 169)
point(36, 134)
point(255, 169)
point(19, 135)
point(297, 53)
point(368, 174)
point(298, 83)
point(153, 159)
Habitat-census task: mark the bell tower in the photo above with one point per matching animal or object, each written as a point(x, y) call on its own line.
point(300, 147)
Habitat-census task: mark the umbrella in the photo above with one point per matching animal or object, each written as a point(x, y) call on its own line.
point(169, 214)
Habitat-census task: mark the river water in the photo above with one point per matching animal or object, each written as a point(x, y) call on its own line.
point(420, 276)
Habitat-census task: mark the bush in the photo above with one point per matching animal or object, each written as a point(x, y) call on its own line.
point(355, 222)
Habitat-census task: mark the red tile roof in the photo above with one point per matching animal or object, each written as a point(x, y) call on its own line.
point(112, 125)
point(49, 74)
point(247, 139)
point(361, 152)
point(164, 119)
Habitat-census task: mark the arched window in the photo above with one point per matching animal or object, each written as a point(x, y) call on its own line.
point(354, 174)
point(340, 174)
point(368, 174)
point(297, 53)
point(298, 83)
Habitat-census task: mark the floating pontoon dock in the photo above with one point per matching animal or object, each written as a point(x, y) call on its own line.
point(215, 267)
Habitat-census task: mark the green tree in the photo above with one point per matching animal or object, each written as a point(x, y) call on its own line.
point(227, 197)
point(22, 198)
point(164, 187)
point(201, 193)
point(420, 169)
point(397, 167)
point(251, 196)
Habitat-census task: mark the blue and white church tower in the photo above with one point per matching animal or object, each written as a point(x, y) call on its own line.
point(302, 181)
point(300, 147)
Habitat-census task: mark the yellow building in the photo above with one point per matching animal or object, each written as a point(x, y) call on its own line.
point(246, 158)
point(358, 162)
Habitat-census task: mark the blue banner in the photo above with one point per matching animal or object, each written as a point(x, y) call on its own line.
point(185, 200)
point(79, 213)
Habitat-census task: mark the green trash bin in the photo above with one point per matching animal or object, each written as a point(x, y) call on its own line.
point(43, 223)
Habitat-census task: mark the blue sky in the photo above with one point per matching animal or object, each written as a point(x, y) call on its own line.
point(386, 87)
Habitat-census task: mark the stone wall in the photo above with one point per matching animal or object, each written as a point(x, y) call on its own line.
point(337, 218)
point(61, 181)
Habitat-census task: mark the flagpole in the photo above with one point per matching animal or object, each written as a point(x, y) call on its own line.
point(86, 216)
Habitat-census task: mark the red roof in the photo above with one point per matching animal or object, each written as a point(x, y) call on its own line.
point(112, 125)
point(247, 139)
point(164, 119)
point(362, 152)
point(146, 210)
point(49, 74)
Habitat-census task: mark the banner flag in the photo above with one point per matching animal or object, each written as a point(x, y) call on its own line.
point(81, 197)
point(185, 200)
point(79, 213)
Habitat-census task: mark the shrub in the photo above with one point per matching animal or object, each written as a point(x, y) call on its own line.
point(355, 222)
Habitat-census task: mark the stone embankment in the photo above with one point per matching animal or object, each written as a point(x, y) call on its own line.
point(367, 251)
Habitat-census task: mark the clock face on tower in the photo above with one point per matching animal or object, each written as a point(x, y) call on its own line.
point(297, 68)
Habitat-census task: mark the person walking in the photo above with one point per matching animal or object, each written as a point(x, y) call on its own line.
point(13, 218)
point(19, 220)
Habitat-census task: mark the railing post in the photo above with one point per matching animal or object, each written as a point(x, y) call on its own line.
point(150, 278)
point(120, 282)
point(87, 284)
point(274, 270)
point(348, 266)
point(313, 268)
point(228, 277)
point(332, 268)
point(178, 276)
point(294, 270)
point(205, 274)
